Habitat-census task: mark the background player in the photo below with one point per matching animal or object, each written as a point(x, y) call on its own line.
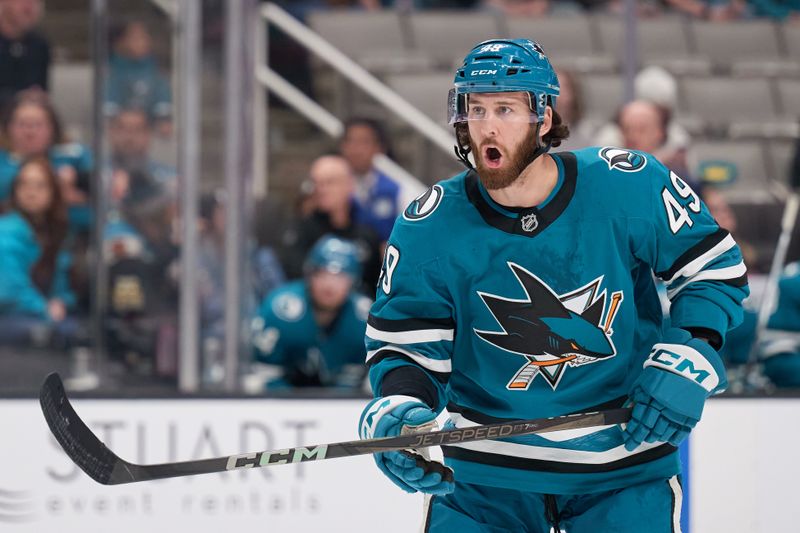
point(312, 329)
point(540, 301)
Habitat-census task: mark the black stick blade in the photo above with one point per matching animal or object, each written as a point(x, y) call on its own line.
point(78, 441)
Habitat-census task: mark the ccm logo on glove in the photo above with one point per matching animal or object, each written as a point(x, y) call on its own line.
point(684, 361)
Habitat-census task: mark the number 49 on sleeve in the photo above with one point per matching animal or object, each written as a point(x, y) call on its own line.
point(677, 214)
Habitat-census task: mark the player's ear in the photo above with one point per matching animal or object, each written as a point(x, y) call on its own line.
point(547, 123)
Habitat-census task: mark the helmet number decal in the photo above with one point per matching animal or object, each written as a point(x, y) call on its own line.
point(390, 259)
point(491, 48)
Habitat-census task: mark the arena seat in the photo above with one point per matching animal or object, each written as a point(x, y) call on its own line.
point(750, 47)
point(602, 96)
point(426, 91)
point(780, 154)
point(750, 183)
point(789, 97)
point(375, 39)
point(447, 36)
point(661, 41)
point(735, 107)
point(567, 41)
point(791, 36)
point(71, 90)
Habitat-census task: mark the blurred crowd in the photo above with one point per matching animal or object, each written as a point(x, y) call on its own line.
point(311, 273)
point(715, 10)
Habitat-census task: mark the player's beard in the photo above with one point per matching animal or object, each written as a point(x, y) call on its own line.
point(518, 160)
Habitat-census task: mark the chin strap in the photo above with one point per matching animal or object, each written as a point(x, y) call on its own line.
point(462, 155)
point(540, 148)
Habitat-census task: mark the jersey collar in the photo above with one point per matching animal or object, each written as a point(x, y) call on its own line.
point(531, 221)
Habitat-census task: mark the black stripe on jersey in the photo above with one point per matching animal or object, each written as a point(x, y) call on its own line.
point(481, 418)
point(708, 242)
point(741, 281)
point(410, 381)
point(410, 324)
point(544, 217)
point(522, 463)
point(387, 353)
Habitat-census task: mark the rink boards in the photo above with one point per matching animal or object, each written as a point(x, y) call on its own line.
point(744, 472)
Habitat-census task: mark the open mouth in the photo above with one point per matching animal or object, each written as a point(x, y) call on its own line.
point(492, 157)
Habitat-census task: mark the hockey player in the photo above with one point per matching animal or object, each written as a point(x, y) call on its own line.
point(780, 349)
point(312, 329)
point(524, 288)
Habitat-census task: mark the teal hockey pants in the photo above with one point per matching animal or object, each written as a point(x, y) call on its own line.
point(652, 507)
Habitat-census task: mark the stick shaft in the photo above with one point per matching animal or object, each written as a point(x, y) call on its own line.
point(104, 466)
point(424, 440)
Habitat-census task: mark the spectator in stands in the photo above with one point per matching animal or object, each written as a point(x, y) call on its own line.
point(143, 226)
point(130, 135)
point(142, 257)
point(782, 10)
point(264, 271)
point(334, 213)
point(311, 330)
point(520, 8)
point(656, 85)
point(35, 294)
point(31, 128)
point(24, 53)
point(570, 107)
point(376, 193)
point(644, 127)
point(715, 10)
point(134, 79)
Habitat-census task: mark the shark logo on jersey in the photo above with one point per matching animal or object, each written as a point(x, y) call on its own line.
point(549, 330)
point(424, 204)
point(623, 160)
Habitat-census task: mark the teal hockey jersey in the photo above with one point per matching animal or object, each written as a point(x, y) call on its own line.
point(285, 334)
point(500, 314)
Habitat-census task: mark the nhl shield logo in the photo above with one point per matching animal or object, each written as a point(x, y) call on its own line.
point(529, 222)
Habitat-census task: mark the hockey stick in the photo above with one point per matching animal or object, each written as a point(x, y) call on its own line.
point(102, 465)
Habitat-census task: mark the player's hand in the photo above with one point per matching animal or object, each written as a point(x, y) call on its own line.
point(669, 395)
point(408, 469)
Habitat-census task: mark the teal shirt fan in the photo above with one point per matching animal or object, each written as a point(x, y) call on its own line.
point(545, 311)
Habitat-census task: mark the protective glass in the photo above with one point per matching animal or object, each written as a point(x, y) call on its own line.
point(512, 109)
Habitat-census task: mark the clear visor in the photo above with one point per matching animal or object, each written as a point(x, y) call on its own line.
point(507, 106)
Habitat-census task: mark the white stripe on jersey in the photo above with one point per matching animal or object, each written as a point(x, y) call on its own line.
point(411, 336)
point(677, 492)
point(435, 365)
point(561, 455)
point(697, 264)
point(546, 453)
point(731, 272)
point(778, 346)
point(555, 436)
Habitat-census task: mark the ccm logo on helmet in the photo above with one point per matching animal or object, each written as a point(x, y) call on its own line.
point(482, 72)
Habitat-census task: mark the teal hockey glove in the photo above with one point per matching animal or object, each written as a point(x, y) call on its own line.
point(669, 394)
point(408, 469)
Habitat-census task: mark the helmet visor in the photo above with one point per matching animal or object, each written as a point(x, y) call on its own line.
point(509, 105)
